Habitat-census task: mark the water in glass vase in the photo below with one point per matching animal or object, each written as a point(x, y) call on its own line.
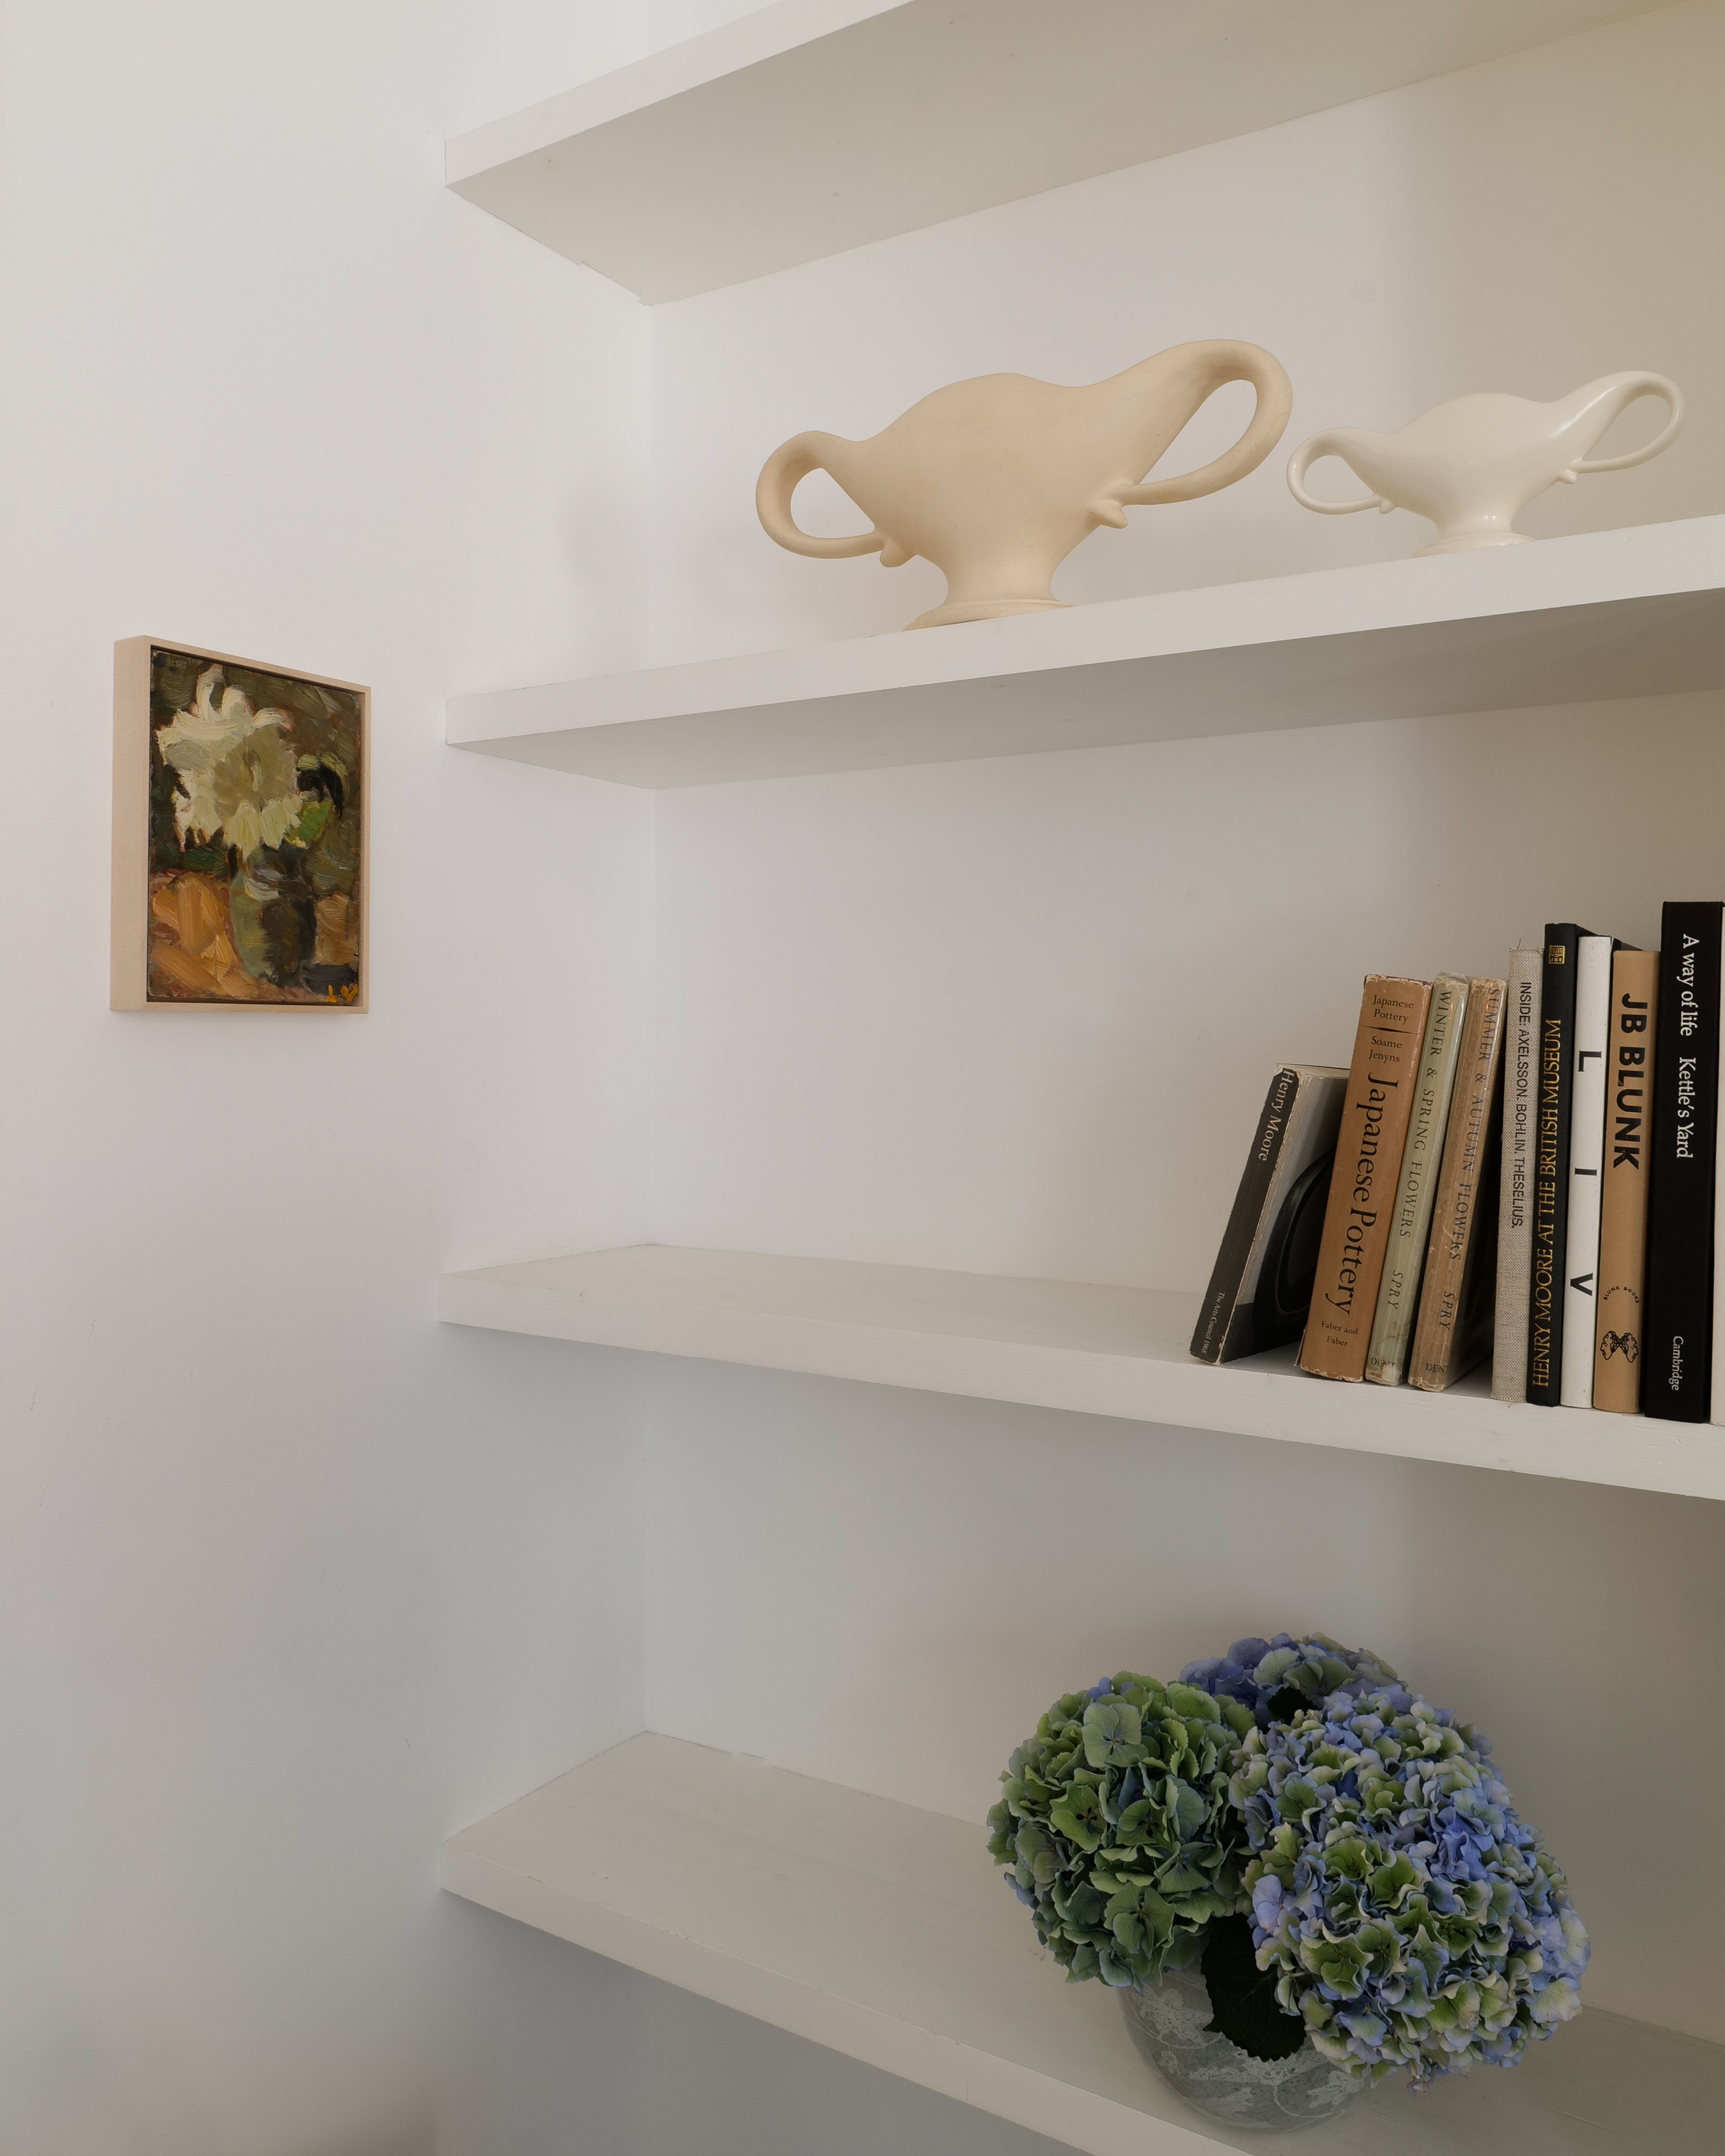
point(1169, 2023)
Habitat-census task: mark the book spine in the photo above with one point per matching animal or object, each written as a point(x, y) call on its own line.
point(1368, 1157)
point(1551, 1166)
point(1587, 1146)
point(1631, 1064)
point(1219, 1297)
point(1676, 1384)
point(1515, 1211)
point(1717, 1394)
point(1398, 1292)
point(1275, 1292)
point(1456, 1305)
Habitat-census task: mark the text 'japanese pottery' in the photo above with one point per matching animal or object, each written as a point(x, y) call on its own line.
point(997, 479)
point(1472, 465)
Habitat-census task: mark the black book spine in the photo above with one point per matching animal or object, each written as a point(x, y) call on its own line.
point(1551, 1164)
point(1676, 1383)
point(1210, 1334)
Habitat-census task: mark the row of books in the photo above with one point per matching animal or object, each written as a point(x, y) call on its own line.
point(1525, 1167)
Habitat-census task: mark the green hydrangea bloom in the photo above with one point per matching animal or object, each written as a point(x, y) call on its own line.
point(1114, 1825)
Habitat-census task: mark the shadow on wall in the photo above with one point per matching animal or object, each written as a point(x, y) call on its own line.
point(559, 2052)
point(734, 2086)
point(412, 2133)
point(542, 2051)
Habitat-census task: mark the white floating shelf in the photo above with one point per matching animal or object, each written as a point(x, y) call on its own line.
point(885, 1933)
point(1109, 1351)
point(815, 126)
point(1634, 613)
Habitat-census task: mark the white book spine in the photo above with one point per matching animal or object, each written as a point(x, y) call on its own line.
point(1515, 1194)
point(1587, 1158)
point(1717, 1410)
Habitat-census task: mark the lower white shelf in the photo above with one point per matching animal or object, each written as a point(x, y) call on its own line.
point(1109, 1351)
point(885, 1933)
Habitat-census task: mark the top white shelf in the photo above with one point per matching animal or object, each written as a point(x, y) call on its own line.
point(815, 126)
point(1632, 613)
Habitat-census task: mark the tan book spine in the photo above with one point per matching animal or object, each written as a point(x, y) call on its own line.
point(1416, 1186)
point(1457, 1303)
point(1378, 1105)
point(1623, 1187)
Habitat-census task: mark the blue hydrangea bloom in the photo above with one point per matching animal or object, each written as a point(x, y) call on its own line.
point(1413, 1918)
point(1253, 1672)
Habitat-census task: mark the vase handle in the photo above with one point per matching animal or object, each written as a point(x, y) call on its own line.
point(1231, 362)
point(1639, 386)
point(1316, 446)
point(790, 463)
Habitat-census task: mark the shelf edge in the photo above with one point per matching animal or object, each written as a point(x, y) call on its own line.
point(1231, 1401)
point(1065, 2111)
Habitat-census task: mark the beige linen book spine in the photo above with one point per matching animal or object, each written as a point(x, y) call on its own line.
point(1623, 1192)
point(1455, 1309)
point(1398, 1293)
point(1375, 1114)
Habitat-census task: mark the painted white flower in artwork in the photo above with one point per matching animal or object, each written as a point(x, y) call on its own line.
point(257, 789)
point(239, 780)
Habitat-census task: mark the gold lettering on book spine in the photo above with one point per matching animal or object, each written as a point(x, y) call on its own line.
point(1545, 1198)
point(1368, 1157)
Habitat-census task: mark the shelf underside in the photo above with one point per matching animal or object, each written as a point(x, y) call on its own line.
point(815, 126)
point(1109, 1351)
point(1598, 616)
point(885, 1933)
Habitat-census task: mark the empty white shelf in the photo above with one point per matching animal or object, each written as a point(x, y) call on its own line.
point(1639, 612)
point(1109, 1351)
point(814, 125)
point(887, 1933)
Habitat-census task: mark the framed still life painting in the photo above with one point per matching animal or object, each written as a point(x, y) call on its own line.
point(240, 823)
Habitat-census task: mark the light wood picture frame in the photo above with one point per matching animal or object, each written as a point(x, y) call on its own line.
point(242, 833)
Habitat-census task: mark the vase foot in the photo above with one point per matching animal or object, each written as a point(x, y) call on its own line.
point(981, 610)
point(1465, 542)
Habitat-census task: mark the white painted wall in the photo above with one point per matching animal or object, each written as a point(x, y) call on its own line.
point(291, 1582)
point(1016, 1016)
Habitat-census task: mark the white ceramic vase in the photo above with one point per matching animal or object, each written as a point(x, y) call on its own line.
point(1472, 465)
point(996, 480)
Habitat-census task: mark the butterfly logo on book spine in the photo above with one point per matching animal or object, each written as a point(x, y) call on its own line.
point(1619, 1344)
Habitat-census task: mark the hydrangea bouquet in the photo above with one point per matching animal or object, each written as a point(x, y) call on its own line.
point(1339, 1857)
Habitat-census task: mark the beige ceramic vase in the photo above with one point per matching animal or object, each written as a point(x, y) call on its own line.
point(996, 480)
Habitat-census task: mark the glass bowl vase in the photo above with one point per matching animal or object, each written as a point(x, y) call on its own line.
point(1169, 2023)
